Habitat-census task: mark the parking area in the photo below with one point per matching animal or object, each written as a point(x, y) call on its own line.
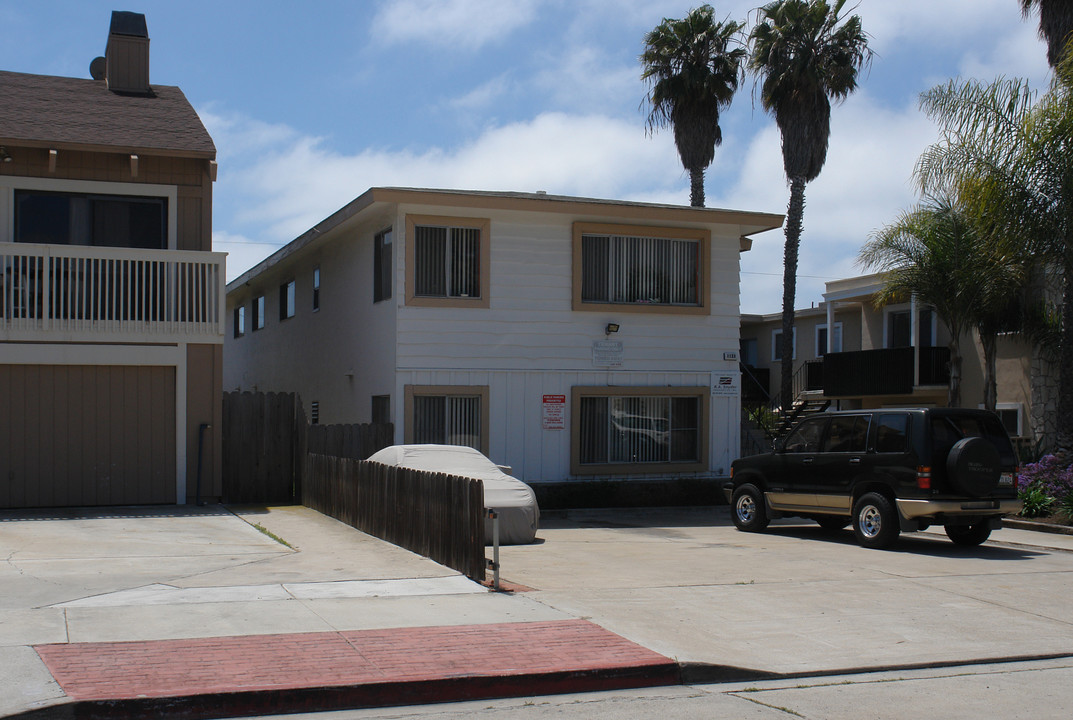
point(683, 583)
point(796, 599)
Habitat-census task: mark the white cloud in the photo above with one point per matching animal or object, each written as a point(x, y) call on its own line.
point(460, 25)
point(284, 191)
point(584, 77)
point(865, 182)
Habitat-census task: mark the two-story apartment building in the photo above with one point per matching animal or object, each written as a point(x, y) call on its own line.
point(111, 301)
point(890, 356)
point(568, 338)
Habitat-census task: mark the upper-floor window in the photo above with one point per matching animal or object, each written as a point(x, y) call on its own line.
point(776, 345)
point(258, 312)
point(447, 261)
point(316, 289)
point(382, 265)
point(240, 321)
point(899, 328)
point(821, 339)
point(286, 300)
point(59, 218)
point(640, 268)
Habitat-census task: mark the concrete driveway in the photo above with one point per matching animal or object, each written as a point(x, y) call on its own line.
point(795, 599)
point(683, 583)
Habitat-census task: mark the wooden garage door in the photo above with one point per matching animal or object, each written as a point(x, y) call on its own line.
point(86, 435)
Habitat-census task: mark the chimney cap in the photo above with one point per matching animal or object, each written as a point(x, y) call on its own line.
point(128, 23)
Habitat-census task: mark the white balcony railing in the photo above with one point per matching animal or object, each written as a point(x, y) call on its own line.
point(100, 294)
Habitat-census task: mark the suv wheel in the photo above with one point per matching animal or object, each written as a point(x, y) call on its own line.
point(749, 511)
point(875, 522)
point(969, 535)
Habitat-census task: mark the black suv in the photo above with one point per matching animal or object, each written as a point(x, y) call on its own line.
point(883, 470)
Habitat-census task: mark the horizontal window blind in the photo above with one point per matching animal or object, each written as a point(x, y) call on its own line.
point(625, 269)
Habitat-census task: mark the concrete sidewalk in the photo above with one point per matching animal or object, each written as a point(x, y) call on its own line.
point(193, 612)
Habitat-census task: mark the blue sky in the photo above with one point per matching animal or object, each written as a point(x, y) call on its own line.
point(310, 104)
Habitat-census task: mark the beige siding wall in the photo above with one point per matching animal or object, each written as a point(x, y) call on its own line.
point(190, 175)
point(86, 435)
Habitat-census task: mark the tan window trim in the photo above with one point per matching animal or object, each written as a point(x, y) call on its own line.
point(704, 236)
point(484, 225)
point(578, 392)
point(412, 391)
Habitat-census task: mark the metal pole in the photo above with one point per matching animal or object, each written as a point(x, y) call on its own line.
point(494, 515)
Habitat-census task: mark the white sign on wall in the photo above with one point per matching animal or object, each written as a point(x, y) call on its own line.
point(726, 384)
point(607, 353)
point(554, 412)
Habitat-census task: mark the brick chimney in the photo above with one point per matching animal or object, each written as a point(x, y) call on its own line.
point(127, 54)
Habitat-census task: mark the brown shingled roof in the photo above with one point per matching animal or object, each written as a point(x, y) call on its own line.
point(46, 111)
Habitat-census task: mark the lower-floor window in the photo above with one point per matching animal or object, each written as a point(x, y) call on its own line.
point(447, 415)
point(639, 427)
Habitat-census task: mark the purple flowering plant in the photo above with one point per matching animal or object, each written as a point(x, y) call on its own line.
point(1045, 484)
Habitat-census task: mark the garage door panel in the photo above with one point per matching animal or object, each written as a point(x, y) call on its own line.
point(87, 435)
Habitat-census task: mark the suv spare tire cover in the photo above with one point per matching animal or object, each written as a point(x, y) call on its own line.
point(973, 466)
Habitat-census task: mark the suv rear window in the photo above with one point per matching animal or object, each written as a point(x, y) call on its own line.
point(892, 434)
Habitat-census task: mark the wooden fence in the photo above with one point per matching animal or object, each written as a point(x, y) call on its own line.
point(435, 515)
point(263, 448)
point(350, 441)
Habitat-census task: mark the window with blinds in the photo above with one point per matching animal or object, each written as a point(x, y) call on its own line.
point(447, 420)
point(642, 270)
point(447, 262)
point(639, 429)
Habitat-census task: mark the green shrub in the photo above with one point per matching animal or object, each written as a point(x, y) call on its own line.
point(1037, 503)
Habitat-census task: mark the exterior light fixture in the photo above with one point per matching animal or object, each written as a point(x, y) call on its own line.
point(5, 156)
point(611, 328)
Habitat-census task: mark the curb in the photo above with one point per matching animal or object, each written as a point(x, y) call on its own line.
point(1037, 526)
point(353, 697)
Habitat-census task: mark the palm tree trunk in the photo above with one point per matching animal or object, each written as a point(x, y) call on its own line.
point(795, 211)
point(696, 187)
point(989, 341)
point(953, 395)
point(1064, 433)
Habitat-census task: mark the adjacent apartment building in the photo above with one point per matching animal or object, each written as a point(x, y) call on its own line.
point(858, 355)
point(111, 301)
point(569, 338)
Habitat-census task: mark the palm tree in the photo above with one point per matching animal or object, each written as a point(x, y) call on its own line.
point(1055, 24)
point(1016, 151)
point(805, 55)
point(693, 69)
point(938, 253)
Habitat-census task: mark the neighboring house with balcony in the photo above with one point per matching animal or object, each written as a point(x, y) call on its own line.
point(891, 356)
point(111, 301)
point(568, 338)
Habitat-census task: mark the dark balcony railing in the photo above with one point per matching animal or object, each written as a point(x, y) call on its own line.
point(934, 366)
point(883, 372)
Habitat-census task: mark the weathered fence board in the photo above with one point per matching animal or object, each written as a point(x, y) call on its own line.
point(435, 515)
point(263, 445)
point(350, 441)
